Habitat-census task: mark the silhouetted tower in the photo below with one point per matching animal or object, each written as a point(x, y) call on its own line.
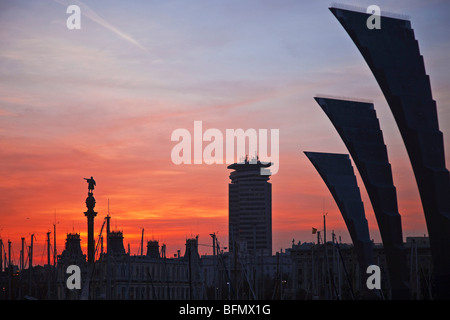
point(193, 258)
point(153, 249)
point(90, 214)
point(72, 252)
point(250, 207)
point(116, 243)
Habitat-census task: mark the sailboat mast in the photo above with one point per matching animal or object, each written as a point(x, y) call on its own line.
point(142, 242)
point(54, 242)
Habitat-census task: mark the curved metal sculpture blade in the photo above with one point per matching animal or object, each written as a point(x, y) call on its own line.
point(337, 172)
point(358, 125)
point(392, 54)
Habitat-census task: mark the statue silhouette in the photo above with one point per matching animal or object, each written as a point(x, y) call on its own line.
point(91, 184)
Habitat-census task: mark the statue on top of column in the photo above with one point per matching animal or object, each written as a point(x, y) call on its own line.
point(91, 184)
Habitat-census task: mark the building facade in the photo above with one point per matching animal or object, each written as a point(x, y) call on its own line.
point(121, 276)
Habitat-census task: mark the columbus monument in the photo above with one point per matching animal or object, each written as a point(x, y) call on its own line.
point(90, 214)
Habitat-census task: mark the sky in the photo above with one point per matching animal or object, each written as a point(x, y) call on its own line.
point(104, 100)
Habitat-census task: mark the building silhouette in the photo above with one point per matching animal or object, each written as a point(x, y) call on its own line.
point(72, 253)
point(250, 207)
point(116, 243)
point(117, 275)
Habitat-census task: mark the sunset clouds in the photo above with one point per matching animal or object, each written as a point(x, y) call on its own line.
point(104, 100)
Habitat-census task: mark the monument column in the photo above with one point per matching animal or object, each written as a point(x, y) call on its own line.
point(90, 214)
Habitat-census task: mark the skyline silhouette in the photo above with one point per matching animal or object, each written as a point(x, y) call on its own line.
point(82, 102)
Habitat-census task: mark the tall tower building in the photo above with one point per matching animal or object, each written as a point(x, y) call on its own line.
point(250, 207)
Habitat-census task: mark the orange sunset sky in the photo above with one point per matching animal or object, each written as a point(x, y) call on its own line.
point(104, 100)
